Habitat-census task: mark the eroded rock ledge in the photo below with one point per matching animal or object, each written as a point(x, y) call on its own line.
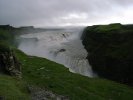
point(9, 64)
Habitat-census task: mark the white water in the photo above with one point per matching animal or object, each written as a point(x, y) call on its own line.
point(62, 46)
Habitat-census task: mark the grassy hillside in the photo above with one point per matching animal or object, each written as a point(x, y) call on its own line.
point(12, 89)
point(110, 51)
point(40, 72)
point(43, 73)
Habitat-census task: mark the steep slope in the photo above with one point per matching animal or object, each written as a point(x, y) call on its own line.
point(111, 51)
point(54, 77)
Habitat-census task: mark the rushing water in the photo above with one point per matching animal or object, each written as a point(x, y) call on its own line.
point(61, 46)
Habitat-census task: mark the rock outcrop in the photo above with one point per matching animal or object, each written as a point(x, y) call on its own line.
point(44, 94)
point(9, 63)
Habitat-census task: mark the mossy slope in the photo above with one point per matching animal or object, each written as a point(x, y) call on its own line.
point(55, 77)
point(110, 51)
point(13, 89)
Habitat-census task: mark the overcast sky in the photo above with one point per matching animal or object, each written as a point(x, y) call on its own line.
point(41, 13)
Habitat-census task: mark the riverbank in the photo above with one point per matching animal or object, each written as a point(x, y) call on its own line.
point(54, 78)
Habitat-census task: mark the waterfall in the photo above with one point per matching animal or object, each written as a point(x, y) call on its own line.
point(62, 46)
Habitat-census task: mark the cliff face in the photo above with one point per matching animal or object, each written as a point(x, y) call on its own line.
point(8, 62)
point(110, 49)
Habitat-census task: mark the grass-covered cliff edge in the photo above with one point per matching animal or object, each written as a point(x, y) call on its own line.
point(46, 76)
point(110, 49)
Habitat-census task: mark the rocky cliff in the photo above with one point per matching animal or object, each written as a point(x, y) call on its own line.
point(110, 49)
point(8, 62)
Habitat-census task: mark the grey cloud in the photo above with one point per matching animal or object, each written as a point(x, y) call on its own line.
point(50, 12)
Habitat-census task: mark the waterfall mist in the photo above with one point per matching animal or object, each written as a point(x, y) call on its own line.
point(62, 46)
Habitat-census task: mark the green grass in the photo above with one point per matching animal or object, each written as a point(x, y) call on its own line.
point(55, 77)
point(110, 27)
point(6, 36)
point(10, 88)
point(13, 89)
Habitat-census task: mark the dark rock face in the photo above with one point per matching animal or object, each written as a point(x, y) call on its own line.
point(9, 64)
point(110, 49)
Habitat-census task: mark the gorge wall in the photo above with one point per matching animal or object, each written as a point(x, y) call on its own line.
point(110, 51)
